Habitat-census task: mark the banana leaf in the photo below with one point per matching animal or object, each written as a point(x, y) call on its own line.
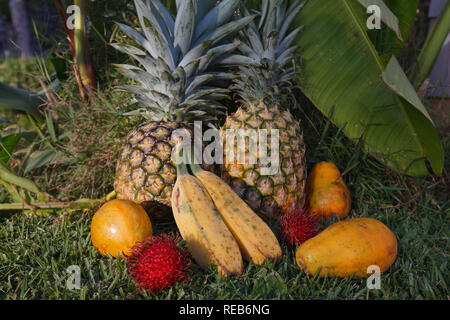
point(387, 41)
point(344, 76)
point(386, 15)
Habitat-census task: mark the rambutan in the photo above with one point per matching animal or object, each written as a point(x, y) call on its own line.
point(298, 226)
point(158, 263)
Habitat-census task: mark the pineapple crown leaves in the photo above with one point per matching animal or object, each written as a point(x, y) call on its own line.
point(265, 62)
point(176, 55)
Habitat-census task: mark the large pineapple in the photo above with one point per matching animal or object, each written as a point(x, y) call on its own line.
point(173, 86)
point(265, 82)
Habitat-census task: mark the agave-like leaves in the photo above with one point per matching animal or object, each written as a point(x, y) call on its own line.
point(136, 36)
point(287, 21)
point(177, 55)
point(165, 27)
point(217, 53)
point(195, 53)
point(203, 7)
point(238, 60)
point(266, 51)
point(226, 30)
point(198, 95)
point(216, 17)
point(205, 78)
point(167, 17)
point(286, 42)
point(153, 31)
point(185, 25)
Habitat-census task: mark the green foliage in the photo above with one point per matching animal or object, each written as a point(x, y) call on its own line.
point(7, 146)
point(341, 74)
point(385, 40)
point(432, 46)
point(37, 252)
point(71, 153)
point(19, 73)
point(19, 100)
point(387, 16)
point(76, 155)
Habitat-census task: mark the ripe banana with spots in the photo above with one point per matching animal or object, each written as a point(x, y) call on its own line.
point(201, 226)
point(256, 240)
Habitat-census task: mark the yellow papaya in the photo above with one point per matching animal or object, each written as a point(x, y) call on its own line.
point(327, 192)
point(348, 248)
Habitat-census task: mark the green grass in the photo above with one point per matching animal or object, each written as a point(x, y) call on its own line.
point(35, 252)
point(19, 73)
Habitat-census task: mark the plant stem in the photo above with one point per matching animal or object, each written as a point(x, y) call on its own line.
point(69, 32)
point(83, 56)
point(71, 39)
point(195, 168)
point(74, 205)
point(432, 47)
point(180, 160)
point(71, 205)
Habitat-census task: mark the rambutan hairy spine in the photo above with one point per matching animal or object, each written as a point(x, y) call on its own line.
point(297, 226)
point(157, 263)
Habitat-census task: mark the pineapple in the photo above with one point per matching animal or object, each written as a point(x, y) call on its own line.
point(264, 85)
point(174, 87)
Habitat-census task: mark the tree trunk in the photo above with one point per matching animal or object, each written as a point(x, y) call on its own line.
point(21, 24)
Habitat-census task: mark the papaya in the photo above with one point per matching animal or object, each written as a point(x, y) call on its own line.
point(327, 192)
point(348, 248)
point(118, 225)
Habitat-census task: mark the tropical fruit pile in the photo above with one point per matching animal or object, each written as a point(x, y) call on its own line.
point(190, 63)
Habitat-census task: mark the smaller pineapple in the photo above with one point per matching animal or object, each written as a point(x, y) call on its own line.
point(175, 87)
point(264, 85)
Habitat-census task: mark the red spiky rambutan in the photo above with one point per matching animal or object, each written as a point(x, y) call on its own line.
point(158, 263)
point(298, 226)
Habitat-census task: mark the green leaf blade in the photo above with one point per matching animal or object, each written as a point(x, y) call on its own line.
point(342, 77)
point(387, 16)
point(7, 146)
point(19, 100)
point(386, 41)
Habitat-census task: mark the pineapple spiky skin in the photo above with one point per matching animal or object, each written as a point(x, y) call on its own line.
point(145, 171)
point(269, 195)
point(265, 78)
